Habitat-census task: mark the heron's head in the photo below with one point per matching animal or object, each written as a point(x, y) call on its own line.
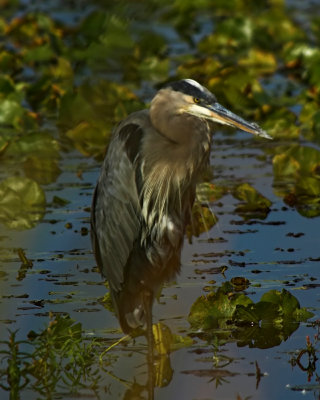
point(188, 96)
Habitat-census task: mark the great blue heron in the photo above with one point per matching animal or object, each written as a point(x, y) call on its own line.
point(145, 192)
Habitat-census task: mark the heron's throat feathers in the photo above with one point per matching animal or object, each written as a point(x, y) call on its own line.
point(157, 193)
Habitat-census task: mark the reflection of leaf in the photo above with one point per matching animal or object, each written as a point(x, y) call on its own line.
point(44, 171)
point(87, 139)
point(34, 144)
point(253, 205)
point(162, 338)
point(250, 195)
point(90, 114)
point(236, 87)
point(196, 66)
point(310, 120)
point(163, 371)
point(154, 69)
point(40, 53)
point(107, 302)
point(8, 62)
point(209, 192)
point(274, 27)
point(45, 95)
point(22, 203)
point(284, 166)
point(40, 153)
point(240, 283)
point(229, 35)
point(210, 373)
point(10, 112)
point(59, 202)
point(105, 38)
point(4, 143)
point(312, 67)
point(281, 123)
point(203, 220)
point(165, 341)
point(260, 61)
point(297, 180)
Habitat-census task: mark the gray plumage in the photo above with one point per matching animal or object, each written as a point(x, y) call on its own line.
point(146, 189)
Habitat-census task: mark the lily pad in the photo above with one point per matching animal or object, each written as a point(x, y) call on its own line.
point(253, 204)
point(282, 123)
point(22, 203)
point(34, 144)
point(208, 311)
point(203, 219)
point(89, 115)
point(310, 121)
point(260, 61)
point(297, 179)
point(233, 316)
point(208, 192)
point(43, 171)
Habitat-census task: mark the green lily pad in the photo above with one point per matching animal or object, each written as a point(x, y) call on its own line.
point(8, 61)
point(208, 192)
point(310, 121)
point(90, 114)
point(40, 53)
point(208, 311)
point(260, 61)
point(11, 112)
point(105, 38)
point(254, 204)
point(88, 139)
point(297, 161)
point(198, 67)
point(297, 179)
point(233, 316)
point(282, 123)
point(43, 171)
point(236, 87)
point(34, 144)
point(22, 203)
point(203, 219)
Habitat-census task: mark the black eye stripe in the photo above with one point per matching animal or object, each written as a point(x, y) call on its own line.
point(185, 87)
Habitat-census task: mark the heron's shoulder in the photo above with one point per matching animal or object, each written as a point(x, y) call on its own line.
point(128, 135)
point(139, 119)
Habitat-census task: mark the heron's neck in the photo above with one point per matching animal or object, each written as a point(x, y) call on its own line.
point(185, 158)
point(170, 173)
point(181, 139)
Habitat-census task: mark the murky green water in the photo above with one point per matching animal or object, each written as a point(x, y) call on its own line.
point(275, 248)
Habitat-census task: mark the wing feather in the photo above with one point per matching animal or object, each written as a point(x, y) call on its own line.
point(115, 216)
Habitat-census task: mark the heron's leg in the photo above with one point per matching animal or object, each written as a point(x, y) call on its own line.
point(147, 302)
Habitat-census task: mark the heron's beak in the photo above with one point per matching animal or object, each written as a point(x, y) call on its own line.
point(221, 115)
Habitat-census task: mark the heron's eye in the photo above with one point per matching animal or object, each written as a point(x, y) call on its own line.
point(196, 100)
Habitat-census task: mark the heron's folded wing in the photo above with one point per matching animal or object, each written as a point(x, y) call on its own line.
point(115, 212)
